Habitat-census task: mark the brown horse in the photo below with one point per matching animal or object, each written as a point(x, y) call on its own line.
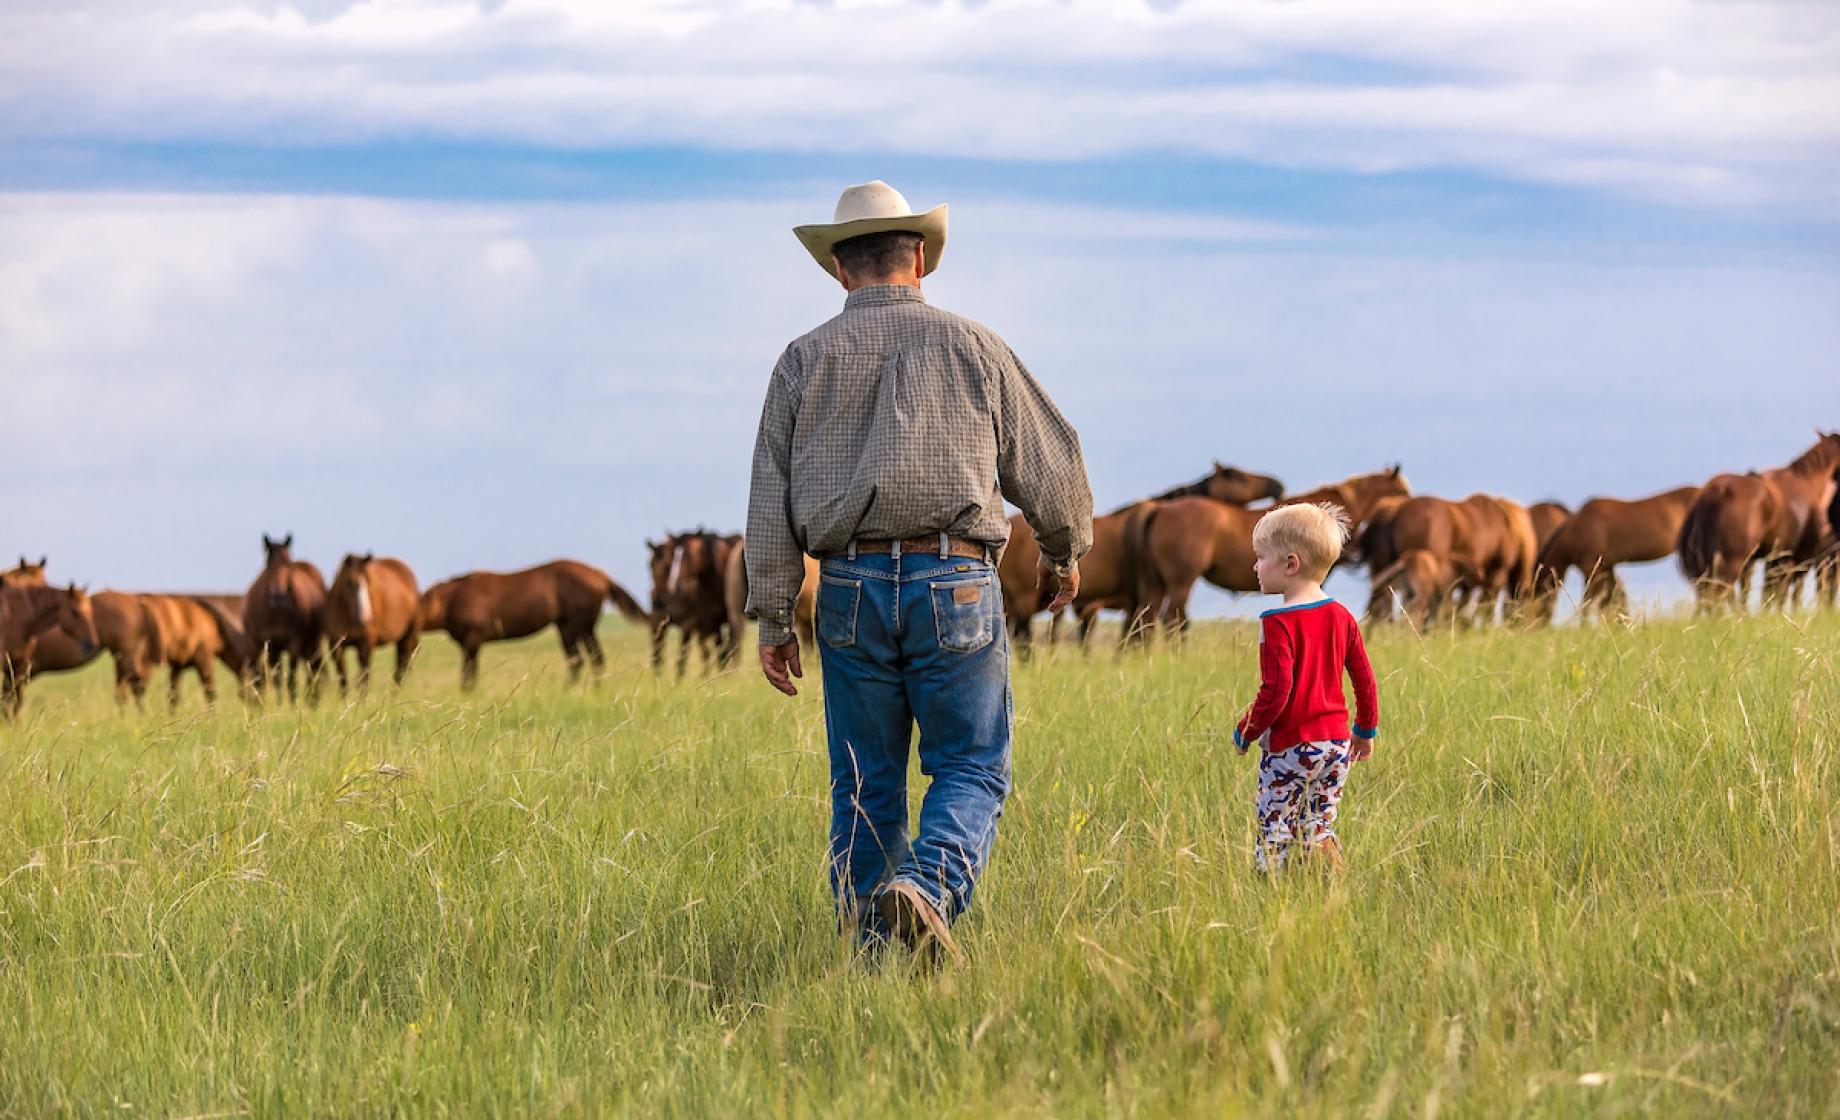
point(190, 632)
point(284, 615)
point(1603, 533)
point(804, 608)
point(1494, 535)
point(690, 592)
point(1547, 517)
point(372, 603)
point(1173, 545)
point(28, 615)
point(1773, 517)
point(1424, 582)
point(1105, 582)
point(482, 607)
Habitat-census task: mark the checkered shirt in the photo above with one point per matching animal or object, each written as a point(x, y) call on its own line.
point(897, 419)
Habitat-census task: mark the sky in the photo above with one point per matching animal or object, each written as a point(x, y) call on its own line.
point(482, 284)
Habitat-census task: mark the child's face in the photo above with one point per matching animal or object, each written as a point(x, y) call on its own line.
point(1276, 572)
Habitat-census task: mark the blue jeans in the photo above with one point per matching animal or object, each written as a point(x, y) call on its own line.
point(904, 640)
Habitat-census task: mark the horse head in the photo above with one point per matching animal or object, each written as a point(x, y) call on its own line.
point(1231, 484)
point(70, 613)
point(28, 574)
point(351, 587)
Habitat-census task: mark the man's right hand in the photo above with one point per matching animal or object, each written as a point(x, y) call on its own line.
point(780, 664)
point(1066, 588)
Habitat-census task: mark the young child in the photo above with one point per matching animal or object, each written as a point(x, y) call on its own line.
point(1300, 719)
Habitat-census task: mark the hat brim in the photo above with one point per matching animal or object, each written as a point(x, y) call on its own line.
point(819, 241)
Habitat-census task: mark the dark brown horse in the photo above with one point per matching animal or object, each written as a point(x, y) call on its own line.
point(1603, 533)
point(29, 614)
point(690, 592)
point(1547, 517)
point(1774, 518)
point(284, 616)
point(1494, 535)
point(372, 603)
point(1175, 544)
point(483, 607)
point(736, 595)
point(1105, 582)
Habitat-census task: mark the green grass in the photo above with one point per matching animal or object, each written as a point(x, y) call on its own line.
point(1590, 872)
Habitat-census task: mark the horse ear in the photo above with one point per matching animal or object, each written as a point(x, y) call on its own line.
point(289, 542)
point(369, 556)
point(266, 543)
point(43, 561)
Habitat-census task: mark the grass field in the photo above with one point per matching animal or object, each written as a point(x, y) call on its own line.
point(1590, 873)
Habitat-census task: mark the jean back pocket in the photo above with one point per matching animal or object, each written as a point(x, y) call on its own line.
point(965, 613)
point(838, 601)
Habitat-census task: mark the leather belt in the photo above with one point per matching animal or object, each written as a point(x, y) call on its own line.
point(928, 546)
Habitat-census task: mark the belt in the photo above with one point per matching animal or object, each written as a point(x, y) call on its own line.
point(928, 545)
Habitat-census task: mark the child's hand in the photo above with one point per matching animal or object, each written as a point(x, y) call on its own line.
point(1360, 750)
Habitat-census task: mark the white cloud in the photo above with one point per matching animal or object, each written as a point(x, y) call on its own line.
point(1721, 102)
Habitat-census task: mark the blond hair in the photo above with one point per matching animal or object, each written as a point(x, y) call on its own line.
point(1315, 533)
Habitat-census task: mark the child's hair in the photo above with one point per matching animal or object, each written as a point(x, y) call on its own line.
point(1315, 533)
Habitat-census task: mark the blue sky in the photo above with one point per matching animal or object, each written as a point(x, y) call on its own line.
point(484, 284)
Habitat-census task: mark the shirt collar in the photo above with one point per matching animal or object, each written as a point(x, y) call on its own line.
point(880, 295)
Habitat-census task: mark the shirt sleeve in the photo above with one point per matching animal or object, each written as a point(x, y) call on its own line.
point(1040, 467)
point(775, 566)
point(1366, 690)
point(1277, 664)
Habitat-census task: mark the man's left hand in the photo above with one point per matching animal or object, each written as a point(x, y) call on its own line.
point(1067, 587)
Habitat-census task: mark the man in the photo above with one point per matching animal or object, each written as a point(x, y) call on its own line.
point(890, 438)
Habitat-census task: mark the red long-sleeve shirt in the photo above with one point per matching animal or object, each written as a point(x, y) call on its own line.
point(1303, 651)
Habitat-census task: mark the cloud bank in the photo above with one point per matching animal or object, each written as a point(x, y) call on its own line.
point(1735, 104)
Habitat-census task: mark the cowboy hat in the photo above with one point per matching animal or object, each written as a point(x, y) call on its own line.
point(874, 207)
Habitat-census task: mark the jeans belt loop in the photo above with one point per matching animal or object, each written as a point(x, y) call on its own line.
point(945, 546)
point(894, 548)
point(852, 550)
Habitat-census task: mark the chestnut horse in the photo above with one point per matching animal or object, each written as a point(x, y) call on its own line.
point(482, 607)
point(690, 592)
point(28, 615)
point(372, 603)
point(1174, 544)
point(1603, 533)
point(284, 615)
point(1105, 582)
point(804, 608)
point(1494, 534)
point(1424, 582)
point(192, 632)
point(1774, 517)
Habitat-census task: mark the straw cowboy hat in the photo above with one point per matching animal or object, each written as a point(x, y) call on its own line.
point(874, 207)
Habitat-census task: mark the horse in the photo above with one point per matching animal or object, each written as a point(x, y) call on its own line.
point(482, 607)
point(29, 614)
point(1773, 517)
point(283, 615)
point(1171, 545)
point(372, 603)
point(690, 592)
point(1424, 582)
point(120, 626)
point(1547, 517)
point(735, 596)
point(1603, 533)
point(1494, 534)
point(192, 632)
point(1105, 582)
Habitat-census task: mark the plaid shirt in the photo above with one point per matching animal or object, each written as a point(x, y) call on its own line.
point(896, 420)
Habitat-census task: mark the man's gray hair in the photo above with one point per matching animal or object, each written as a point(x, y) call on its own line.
point(875, 255)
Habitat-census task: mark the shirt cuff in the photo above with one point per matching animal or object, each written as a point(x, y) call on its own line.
point(1366, 732)
point(774, 633)
point(1238, 739)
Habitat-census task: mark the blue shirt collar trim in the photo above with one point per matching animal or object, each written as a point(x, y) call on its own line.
point(1296, 607)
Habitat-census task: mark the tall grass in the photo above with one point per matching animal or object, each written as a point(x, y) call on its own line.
point(1590, 872)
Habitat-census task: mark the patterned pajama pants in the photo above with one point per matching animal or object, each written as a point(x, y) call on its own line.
point(1299, 792)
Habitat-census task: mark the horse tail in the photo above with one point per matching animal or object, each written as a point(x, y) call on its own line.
point(237, 651)
point(1548, 567)
point(626, 604)
point(1142, 576)
point(1698, 544)
point(1383, 580)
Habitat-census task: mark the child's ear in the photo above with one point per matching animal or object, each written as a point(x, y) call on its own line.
point(1293, 564)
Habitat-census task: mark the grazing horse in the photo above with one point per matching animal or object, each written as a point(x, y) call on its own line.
point(191, 632)
point(372, 603)
point(690, 592)
point(1423, 582)
point(1603, 533)
point(1547, 517)
point(482, 607)
point(1173, 545)
point(735, 596)
point(283, 615)
point(28, 615)
point(1774, 517)
point(1495, 535)
point(1105, 581)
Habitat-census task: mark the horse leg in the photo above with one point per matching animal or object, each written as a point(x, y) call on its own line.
point(683, 653)
point(1088, 619)
point(271, 674)
point(469, 664)
point(206, 668)
point(366, 648)
point(405, 653)
point(336, 652)
point(658, 647)
point(597, 657)
point(172, 684)
point(571, 652)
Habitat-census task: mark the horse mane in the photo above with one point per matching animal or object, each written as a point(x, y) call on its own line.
point(1820, 457)
point(1193, 489)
